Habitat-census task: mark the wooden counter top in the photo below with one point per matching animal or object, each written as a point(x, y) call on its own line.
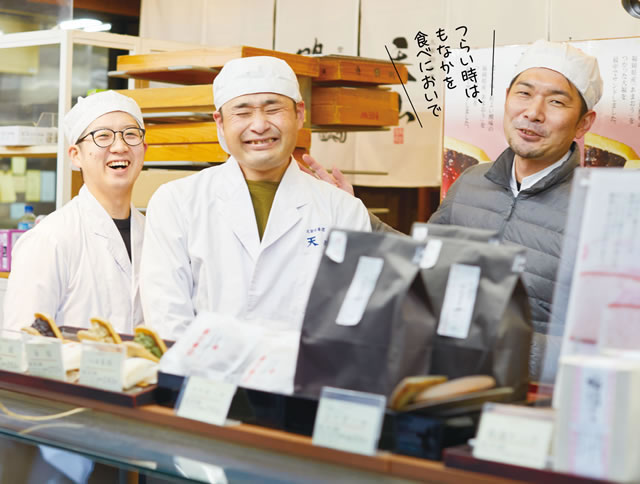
point(278, 441)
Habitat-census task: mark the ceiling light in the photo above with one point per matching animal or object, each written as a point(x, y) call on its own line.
point(79, 23)
point(98, 28)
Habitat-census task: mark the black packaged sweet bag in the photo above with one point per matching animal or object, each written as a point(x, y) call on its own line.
point(391, 332)
point(500, 332)
point(393, 337)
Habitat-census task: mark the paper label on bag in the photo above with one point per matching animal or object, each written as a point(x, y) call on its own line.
point(419, 232)
point(101, 365)
point(514, 435)
point(360, 291)
point(205, 400)
point(337, 246)
point(12, 355)
point(431, 254)
point(272, 366)
point(44, 356)
point(349, 421)
point(459, 301)
point(519, 264)
point(222, 350)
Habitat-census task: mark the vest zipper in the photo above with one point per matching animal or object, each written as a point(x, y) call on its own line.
point(506, 219)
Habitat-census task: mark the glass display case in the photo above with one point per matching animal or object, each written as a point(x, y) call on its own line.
point(41, 76)
point(146, 442)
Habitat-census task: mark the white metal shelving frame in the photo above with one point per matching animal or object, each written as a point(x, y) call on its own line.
point(66, 39)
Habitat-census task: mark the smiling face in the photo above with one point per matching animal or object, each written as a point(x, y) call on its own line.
point(112, 171)
point(261, 131)
point(542, 116)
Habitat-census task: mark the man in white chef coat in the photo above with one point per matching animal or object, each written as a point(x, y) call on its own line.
point(243, 238)
point(82, 260)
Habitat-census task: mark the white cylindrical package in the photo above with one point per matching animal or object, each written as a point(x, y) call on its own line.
point(598, 417)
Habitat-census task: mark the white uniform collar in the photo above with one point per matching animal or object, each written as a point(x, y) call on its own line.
point(529, 181)
point(236, 177)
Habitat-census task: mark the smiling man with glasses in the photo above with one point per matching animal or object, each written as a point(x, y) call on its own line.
point(82, 260)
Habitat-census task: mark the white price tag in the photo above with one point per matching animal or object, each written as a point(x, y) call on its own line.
point(101, 365)
point(44, 356)
point(459, 301)
point(205, 400)
point(360, 291)
point(419, 232)
point(431, 254)
point(337, 246)
point(514, 435)
point(12, 355)
point(349, 421)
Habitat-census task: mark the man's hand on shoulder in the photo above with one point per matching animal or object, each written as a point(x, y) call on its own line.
point(315, 169)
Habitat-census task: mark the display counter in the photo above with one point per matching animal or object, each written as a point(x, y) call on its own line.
point(154, 442)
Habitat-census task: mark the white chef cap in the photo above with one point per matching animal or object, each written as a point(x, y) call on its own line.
point(579, 68)
point(90, 108)
point(251, 75)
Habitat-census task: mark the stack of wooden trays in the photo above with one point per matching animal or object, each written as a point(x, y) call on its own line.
point(340, 93)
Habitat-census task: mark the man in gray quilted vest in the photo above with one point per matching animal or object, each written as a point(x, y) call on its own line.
point(524, 194)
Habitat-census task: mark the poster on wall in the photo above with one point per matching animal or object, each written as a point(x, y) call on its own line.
point(614, 138)
point(473, 130)
point(473, 125)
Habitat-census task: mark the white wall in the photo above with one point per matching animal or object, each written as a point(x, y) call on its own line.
point(219, 23)
point(514, 21)
point(597, 19)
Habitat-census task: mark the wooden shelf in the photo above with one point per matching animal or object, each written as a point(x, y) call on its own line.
point(181, 133)
point(176, 75)
point(354, 106)
point(461, 458)
point(199, 133)
point(200, 66)
point(360, 70)
point(197, 152)
point(195, 98)
point(352, 116)
point(44, 151)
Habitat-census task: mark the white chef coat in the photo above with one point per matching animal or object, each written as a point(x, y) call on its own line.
point(74, 266)
point(202, 250)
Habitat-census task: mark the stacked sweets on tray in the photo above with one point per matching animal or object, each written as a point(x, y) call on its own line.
point(143, 352)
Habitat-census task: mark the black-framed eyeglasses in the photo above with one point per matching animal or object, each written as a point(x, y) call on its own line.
point(105, 137)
